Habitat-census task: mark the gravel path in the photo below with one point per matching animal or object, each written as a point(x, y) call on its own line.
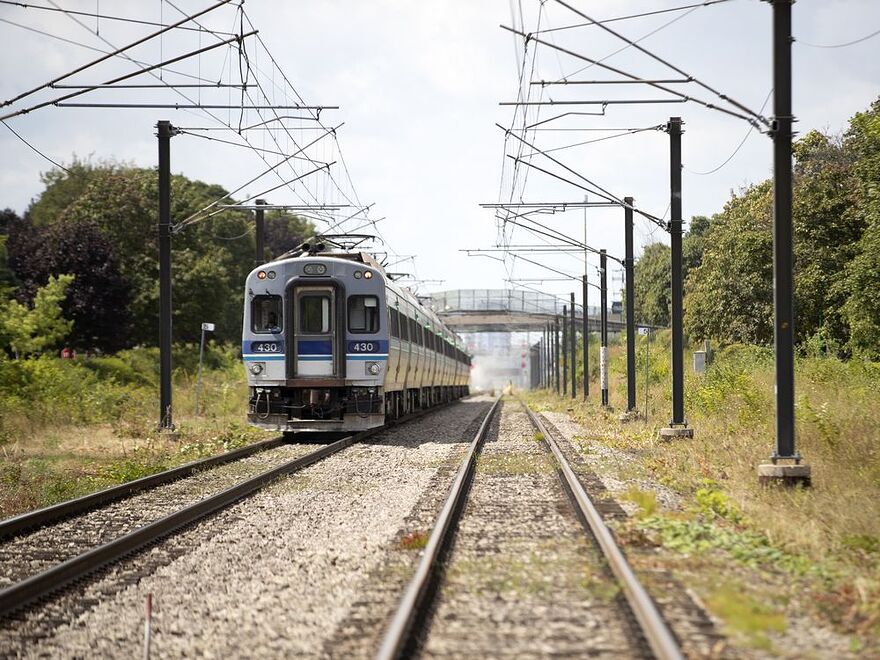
point(37, 551)
point(523, 579)
point(271, 576)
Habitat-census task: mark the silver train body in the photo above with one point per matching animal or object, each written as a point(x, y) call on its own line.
point(331, 344)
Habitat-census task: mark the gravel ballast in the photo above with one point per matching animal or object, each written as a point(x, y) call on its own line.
point(30, 553)
point(523, 579)
point(270, 576)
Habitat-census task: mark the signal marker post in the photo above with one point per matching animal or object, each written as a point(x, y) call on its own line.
point(789, 474)
point(603, 331)
point(629, 261)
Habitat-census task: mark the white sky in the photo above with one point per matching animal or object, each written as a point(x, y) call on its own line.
point(418, 84)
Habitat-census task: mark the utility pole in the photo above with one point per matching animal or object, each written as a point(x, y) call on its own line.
point(603, 330)
point(586, 331)
point(788, 474)
point(565, 350)
point(556, 352)
point(573, 333)
point(260, 233)
point(165, 132)
point(629, 262)
point(678, 427)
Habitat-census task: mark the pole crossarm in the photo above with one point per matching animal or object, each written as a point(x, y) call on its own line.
point(564, 81)
point(591, 102)
point(553, 205)
point(645, 51)
point(631, 76)
point(604, 194)
point(58, 101)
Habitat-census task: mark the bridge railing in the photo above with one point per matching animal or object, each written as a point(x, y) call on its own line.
point(500, 300)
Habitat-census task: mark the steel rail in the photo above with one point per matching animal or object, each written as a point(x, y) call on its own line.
point(41, 517)
point(43, 584)
point(415, 598)
point(654, 628)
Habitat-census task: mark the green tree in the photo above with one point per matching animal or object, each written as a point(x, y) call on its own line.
point(729, 296)
point(28, 330)
point(653, 284)
point(861, 311)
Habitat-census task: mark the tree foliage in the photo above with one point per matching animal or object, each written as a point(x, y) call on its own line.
point(31, 329)
point(836, 207)
point(652, 285)
point(97, 300)
point(98, 221)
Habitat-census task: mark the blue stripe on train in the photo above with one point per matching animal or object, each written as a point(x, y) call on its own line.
point(314, 347)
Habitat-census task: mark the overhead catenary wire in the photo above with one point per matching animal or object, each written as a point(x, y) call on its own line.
point(843, 45)
point(106, 17)
point(674, 92)
point(736, 150)
point(34, 149)
point(632, 16)
point(668, 64)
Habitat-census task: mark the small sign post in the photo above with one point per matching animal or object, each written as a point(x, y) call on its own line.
point(206, 327)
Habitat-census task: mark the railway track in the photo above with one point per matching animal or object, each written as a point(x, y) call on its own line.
point(85, 561)
point(412, 625)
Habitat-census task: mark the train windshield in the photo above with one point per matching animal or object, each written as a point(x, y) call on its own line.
point(314, 314)
point(363, 314)
point(266, 314)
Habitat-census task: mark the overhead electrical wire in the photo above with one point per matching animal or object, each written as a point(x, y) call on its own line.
point(632, 16)
point(843, 45)
point(736, 150)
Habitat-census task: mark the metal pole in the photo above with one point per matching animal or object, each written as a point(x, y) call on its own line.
point(565, 350)
point(199, 376)
point(782, 232)
point(573, 333)
point(782, 255)
point(260, 233)
point(556, 352)
point(675, 231)
point(647, 370)
point(630, 307)
point(165, 132)
point(603, 348)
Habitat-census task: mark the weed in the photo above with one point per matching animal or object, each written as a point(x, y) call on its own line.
point(414, 541)
point(744, 615)
point(645, 500)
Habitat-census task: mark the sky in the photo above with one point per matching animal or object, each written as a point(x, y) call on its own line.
point(418, 85)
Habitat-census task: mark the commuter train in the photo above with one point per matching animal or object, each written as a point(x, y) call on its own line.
point(331, 343)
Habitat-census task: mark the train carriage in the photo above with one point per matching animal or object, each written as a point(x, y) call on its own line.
point(330, 343)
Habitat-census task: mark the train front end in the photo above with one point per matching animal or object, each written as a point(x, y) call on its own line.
point(315, 344)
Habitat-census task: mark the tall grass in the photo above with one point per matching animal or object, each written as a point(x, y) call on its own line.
point(71, 426)
point(833, 526)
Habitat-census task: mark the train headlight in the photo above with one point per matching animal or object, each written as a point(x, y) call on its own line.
point(357, 274)
point(368, 275)
point(373, 368)
point(256, 368)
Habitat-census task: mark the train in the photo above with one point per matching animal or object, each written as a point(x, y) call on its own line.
point(331, 343)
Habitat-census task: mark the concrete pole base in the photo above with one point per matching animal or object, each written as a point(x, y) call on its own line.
point(630, 416)
point(675, 432)
point(770, 474)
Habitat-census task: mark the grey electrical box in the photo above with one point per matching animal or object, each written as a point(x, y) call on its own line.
point(700, 362)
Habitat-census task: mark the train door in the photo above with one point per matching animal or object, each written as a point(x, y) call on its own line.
point(315, 332)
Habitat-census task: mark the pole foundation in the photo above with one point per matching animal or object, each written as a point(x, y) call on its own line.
point(630, 416)
point(673, 432)
point(788, 475)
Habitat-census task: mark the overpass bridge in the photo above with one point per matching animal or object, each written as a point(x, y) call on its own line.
point(509, 310)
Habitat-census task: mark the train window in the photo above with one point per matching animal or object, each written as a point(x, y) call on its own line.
point(266, 314)
point(404, 327)
point(314, 314)
point(420, 338)
point(395, 323)
point(363, 314)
